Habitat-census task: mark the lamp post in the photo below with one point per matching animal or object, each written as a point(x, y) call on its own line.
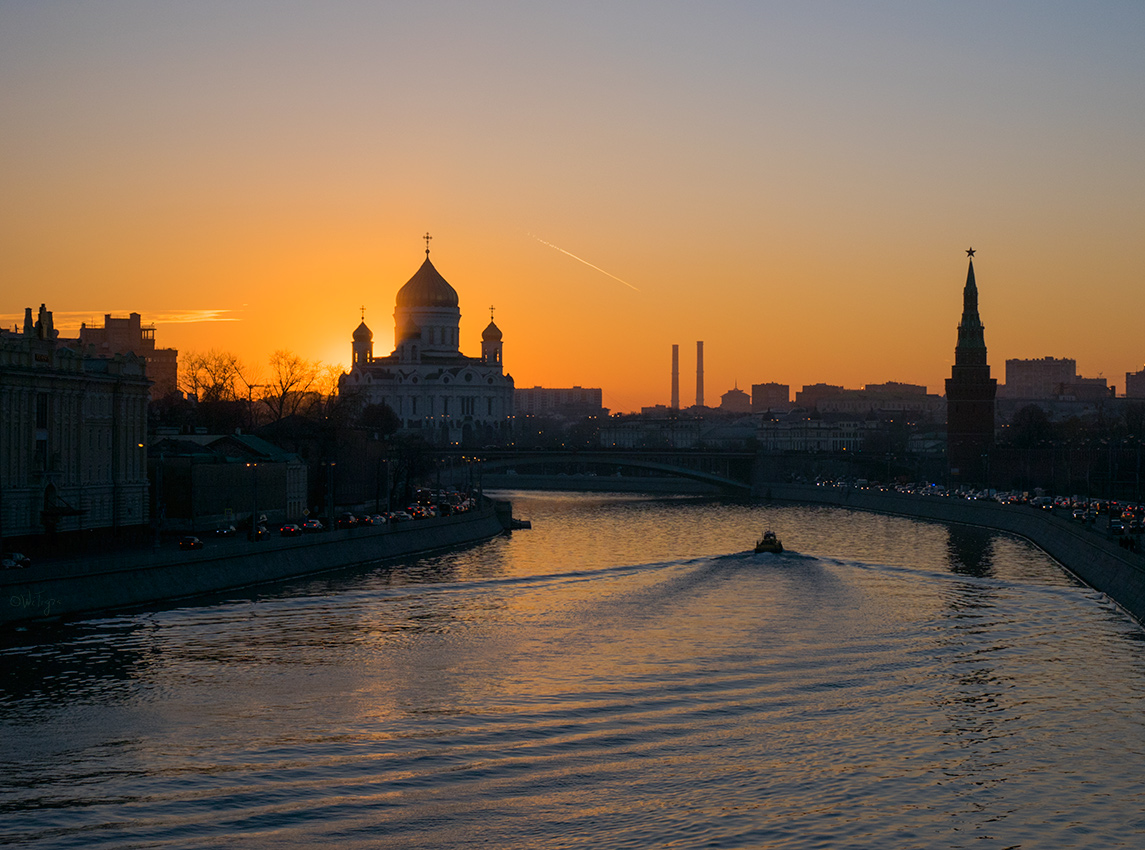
point(250, 404)
point(253, 501)
point(159, 498)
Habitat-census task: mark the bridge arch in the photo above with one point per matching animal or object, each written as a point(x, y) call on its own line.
point(689, 465)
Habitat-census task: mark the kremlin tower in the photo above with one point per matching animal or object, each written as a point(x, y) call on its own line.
point(970, 395)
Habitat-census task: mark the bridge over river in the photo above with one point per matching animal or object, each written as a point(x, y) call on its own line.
point(730, 471)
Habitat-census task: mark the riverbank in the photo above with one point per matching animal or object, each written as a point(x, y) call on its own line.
point(1096, 560)
point(56, 589)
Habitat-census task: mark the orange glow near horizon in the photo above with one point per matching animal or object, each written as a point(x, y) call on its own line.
point(796, 193)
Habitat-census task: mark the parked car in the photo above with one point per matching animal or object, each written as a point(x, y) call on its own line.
point(290, 530)
point(15, 561)
point(190, 543)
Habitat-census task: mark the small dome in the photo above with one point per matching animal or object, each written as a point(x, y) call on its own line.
point(491, 333)
point(363, 333)
point(427, 288)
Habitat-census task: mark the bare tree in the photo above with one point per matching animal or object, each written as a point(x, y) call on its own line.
point(328, 404)
point(292, 384)
point(213, 376)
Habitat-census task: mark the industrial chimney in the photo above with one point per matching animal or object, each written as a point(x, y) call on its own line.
point(699, 374)
point(675, 377)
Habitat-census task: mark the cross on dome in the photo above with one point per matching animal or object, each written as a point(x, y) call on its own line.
point(427, 237)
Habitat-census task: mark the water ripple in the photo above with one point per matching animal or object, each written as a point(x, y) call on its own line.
point(926, 687)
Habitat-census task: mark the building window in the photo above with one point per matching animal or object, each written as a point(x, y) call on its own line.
point(42, 410)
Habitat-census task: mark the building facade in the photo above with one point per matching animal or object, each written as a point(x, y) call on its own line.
point(770, 396)
point(432, 387)
point(203, 481)
point(809, 396)
point(799, 434)
point(1039, 378)
point(889, 399)
point(642, 433)
point(970, 394)
point(1135, 384)
point(73, 429)
point(131, 336)
point(1050, 378)
point(735, 400)
point(570, 403)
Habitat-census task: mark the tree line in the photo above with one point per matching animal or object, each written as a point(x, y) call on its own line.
point(289, 385)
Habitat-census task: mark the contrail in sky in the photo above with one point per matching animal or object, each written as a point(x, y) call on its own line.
point(586, 262)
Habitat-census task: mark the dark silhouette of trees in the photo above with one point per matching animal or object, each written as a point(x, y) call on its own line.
point(211, 376)
point(292, 386)
point(1030, 428)
point(381, 419)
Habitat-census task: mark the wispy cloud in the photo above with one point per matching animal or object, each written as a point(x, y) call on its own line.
point(184, 317)
point(586, 262)
point(68, 319)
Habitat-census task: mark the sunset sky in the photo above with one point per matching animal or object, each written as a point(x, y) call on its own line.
point(795, 184)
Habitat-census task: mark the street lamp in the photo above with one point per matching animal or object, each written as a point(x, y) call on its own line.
point(250, 388)
point(253, 467)
point(159, 506)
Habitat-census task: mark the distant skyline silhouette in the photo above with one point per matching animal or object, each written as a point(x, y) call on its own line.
point(792, 184)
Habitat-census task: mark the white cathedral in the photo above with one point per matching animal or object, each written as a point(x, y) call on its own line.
point(426, 380)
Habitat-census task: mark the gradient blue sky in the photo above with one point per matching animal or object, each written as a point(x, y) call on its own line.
point(793, 183)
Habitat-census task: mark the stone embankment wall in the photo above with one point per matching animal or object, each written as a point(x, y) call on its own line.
point(1089, 555)
point(134, 579)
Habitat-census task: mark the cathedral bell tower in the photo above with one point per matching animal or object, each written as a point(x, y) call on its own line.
point(491, 343)
point(362, 348)
point(970, 395)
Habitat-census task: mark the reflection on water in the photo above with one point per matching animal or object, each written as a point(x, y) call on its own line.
point(626, 674)
point(971, 550)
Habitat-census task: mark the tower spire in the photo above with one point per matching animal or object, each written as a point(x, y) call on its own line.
point(970, 393)
point(970, 330)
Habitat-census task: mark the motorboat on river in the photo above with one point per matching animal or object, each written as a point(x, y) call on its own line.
point(769, 543)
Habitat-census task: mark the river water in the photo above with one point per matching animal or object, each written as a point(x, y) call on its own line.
point(626, 674)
